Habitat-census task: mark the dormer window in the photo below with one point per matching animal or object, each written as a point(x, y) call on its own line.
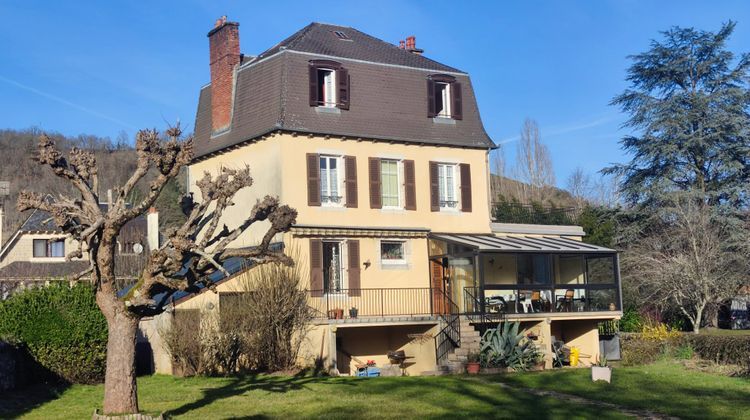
point(444, 97)
point(329, 84)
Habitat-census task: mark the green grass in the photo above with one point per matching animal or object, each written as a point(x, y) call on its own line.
point(666, 387)
point(285, 397)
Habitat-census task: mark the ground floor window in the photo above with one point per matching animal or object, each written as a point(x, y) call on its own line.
point(393, 252)
point(333, 272)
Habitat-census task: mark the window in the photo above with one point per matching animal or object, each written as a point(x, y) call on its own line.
point(447, 186)
point(444, 97)
point(393, 252)
point(330, 180)
point(443, 100)
point(390, 175)
point(600, 269)
point(46, 248)
point(333, 272)
point(327, 88)
point(533, 269)
point(341, 35)
point(329, 84)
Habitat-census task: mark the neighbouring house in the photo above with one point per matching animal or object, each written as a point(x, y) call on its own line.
point(383, 153)
point(35, 254)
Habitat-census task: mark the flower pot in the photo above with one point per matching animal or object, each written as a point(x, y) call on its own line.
point(601, 373)
point(472, 368)
point(353, 312)
point(339, 313)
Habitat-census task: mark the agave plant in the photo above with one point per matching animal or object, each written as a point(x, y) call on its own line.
point(505, 347)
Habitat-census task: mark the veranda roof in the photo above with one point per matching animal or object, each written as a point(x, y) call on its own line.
point(494, 243)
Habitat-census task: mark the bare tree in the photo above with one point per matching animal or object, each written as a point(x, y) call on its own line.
point(534, 162)
point(191, 252)
point(497, 172)
point(685, 263)
point(579, 186)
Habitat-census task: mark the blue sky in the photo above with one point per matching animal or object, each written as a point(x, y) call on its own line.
point(106, 67)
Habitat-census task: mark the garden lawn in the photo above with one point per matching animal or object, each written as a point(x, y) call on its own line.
point(289, 397)
point(666, 387)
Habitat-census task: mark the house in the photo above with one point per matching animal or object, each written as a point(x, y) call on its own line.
point(383, 153)
point(35, 253)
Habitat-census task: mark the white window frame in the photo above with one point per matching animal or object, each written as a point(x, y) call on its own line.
point(391, 262)
point(443, 185)
point(327, 181)
point(343, 269)
point(48, 248)
point(446, 98)
point(399, 183)
point(330, 97)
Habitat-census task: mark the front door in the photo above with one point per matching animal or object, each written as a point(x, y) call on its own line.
point(438, 284)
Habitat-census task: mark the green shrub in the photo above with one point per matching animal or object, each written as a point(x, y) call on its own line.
point(61, 328)
point(631, 321)
point(684, 352)
point(733, 350)
point(504, 346)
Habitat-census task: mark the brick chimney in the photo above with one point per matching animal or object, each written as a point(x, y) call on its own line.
point(224, 48)
point(411, 45)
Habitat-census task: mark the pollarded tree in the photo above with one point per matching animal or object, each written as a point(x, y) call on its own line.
point(191, 251)
point(689, 104)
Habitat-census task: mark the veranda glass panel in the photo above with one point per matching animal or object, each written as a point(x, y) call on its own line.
point(603, 300)
point(600, 269)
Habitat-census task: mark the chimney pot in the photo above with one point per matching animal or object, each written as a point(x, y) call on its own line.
point(402, 44)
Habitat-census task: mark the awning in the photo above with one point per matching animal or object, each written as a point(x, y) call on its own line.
point(492, 243)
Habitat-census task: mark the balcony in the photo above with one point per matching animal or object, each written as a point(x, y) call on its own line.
point(533, 214)
point(377, 304)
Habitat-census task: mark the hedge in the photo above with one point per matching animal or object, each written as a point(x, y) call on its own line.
point(61, 328)
point(732, 349)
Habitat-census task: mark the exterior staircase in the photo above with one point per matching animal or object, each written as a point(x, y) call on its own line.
point(456, 360)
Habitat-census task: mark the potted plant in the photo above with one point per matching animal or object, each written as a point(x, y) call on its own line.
point(353, 311)
point(472, 363)
point(601, 370)
point(339, 313)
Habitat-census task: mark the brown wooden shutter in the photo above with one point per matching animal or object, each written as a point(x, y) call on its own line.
point(342, 76)
point(313, 179)
point(316, 267)
point(350, 181)
point(465, 170)
point(376, 199)
point(431, 98)
point(410, 194)
point(457, 110)
point(355, 283)
point(434, 187)
point(314, 100)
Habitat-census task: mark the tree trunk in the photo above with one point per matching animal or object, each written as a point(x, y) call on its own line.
point(120, 393)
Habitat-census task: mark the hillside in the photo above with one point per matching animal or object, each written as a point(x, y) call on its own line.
point(116, 163)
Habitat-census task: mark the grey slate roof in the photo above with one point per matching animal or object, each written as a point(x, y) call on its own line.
point(126, 266)
point(39, 221)
point(319, 38)
point(388, 95)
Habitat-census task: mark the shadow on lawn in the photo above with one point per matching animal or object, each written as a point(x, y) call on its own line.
point(240, 385)
point(20, 401)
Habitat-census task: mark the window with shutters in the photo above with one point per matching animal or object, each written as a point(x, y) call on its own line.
point(444, 98)
point(333, 267)
point(49, 248)
point(391, 184)
point(331, 180)
point(327, 88)
point(448, 186)
point(329, 84)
